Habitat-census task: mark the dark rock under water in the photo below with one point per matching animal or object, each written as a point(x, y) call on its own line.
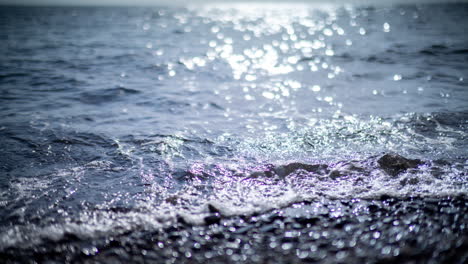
point(394, 164)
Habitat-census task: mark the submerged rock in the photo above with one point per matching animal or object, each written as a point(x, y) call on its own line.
point(212, 219)
point(285, 170)
point(394, 164)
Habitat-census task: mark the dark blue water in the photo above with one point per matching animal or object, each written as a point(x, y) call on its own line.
point(115, 121)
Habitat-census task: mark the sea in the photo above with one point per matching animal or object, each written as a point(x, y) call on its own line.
point(234, 133)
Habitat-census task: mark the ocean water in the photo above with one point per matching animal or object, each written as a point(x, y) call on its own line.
point(234, 133)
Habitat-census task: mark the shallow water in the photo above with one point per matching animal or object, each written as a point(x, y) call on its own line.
point(119, 126)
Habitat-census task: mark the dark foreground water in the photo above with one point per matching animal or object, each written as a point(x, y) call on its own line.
point(242, 133)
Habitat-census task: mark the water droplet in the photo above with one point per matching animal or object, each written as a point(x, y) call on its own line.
point(286, 246)
point(376, 235)
point(159, 52)
point(250, 77)
point(386, 250)
point(328, 32)
point(340, 31)
point(215, 29)
point(248, 97)
point(268, 95)
point(386, 27)
point(397, 77)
